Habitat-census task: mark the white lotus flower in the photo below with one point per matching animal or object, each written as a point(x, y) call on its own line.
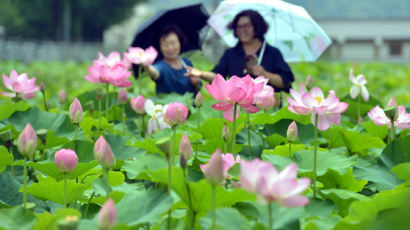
point(358, 86)
point(157, 113)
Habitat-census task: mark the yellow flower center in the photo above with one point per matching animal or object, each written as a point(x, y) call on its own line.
point(318, 99)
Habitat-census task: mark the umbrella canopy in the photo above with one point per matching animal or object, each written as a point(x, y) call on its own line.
point(291, 29)
point(190, 19)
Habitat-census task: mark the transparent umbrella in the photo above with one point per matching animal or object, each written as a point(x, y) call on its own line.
point(291, 29)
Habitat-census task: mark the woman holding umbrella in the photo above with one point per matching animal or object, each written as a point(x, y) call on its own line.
point(168, 72)
point(252, 55)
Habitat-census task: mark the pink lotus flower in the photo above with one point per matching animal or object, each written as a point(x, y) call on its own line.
point(76, 111)
point(214, 169)
point(292, 133)
point(62, 96)
point(251, 173)
point(107, 217)
point(122, 96)
point(264, 99)
point(137, 104)
point(156, 122)
point(66, 160)
point(228, 160)
point(109, 69)
point(378, 116)
point(185, 147)
point(138, 55)
point(103, 153)
point(176, 114)
point(27, 141)
point(199, 100)
point(358, 86)
point(235, 90)
point(328, 110)
point(284, 187)
point(271, 185)
point(20, 85)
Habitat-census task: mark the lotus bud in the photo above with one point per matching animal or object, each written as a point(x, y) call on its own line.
point(185, 147)
point(42, 87)
point(292, 133)
point(103, 153)
point(66, 160)
point(76, 112)
point(62, 96)
point(309, 82)
point(137, 104)
point(176, 113)
point(27, 141)
point(214, 170)
point(199, 100)
point(391, 102)
point(107, 216)
point(122, 96)
point(225, 133)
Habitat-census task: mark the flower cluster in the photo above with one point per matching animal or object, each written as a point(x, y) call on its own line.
point(110, 70)
point(236, 90)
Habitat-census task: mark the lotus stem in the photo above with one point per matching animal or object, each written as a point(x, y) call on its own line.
point(358, 110)
point(249, 136)
point(99, 117)
point(197, 125)
point(123, 119)
point(290, 149)
point(106, 100)
point(107, 185)
point(25, 183)
point(213, 206)
point(233, 129)
point(270, 216)
point(392, 130)
point(315, 157)
point(190, 221)
point(88, 204)
point(65, 190)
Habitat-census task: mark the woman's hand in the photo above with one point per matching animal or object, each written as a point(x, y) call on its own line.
point(193, 72)
point(258, 70)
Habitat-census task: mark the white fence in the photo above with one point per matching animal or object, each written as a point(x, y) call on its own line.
point(29, 50)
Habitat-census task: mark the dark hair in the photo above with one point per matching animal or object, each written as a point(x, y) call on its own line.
point(259, 24)
point(168, 29)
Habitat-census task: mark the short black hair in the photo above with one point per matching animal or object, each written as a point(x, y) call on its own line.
point(259, 24)
point(168, 29)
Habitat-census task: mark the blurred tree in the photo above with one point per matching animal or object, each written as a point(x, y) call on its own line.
point(80, 20)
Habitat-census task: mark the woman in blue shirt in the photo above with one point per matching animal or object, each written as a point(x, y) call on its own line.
point(252, 55)
point(168, 72)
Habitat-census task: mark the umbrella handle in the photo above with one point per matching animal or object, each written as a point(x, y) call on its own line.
point(262, 52)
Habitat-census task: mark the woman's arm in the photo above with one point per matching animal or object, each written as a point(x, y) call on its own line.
point(152, 72)
point(193, 72)
point(274, 78)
